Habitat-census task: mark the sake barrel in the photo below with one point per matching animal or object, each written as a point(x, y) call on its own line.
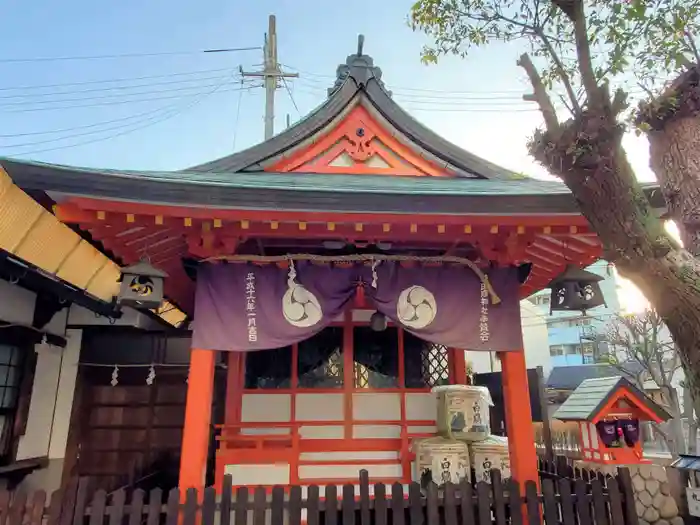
point(440, 460)
point(489, 454)
point(463, 411)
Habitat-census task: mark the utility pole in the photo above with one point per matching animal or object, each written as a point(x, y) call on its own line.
point(271, 75)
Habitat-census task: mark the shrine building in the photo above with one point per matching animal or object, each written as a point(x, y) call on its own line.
point(323, 282)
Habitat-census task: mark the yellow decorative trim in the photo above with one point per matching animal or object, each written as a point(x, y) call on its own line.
point(217, 223)
point(330, 226)
point(386, 227)
point(359, 227)
point(414, 228)
point(130, 217)
point(188, 222)
point(159, 220)
point(101, 215)
point(521, 230)
point(441, 228)
point(274, 225)
point(494, 228)
point(547, 230)
point(467, 228)
point(302, 226)
point(245, 225)
point(573, 229)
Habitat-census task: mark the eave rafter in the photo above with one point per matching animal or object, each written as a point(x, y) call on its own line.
point(166, 234)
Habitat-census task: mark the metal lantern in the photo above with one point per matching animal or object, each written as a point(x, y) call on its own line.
point(142, 286)
point(576, 289)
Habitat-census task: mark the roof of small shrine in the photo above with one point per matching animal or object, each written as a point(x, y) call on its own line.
point(592, 396)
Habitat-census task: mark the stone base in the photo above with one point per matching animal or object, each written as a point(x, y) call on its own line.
point(652, 492)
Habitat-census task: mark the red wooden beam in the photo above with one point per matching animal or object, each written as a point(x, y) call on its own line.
point(120, 207)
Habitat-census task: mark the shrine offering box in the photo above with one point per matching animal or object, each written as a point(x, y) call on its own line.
point(489, 454)
point(440, 460)
point(463, 412)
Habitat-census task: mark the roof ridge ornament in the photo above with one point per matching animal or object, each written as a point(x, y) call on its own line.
point(358, 66)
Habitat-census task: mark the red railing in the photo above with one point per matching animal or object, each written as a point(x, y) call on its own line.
point(237, 447)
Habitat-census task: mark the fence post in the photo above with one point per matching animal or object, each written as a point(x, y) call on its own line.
point(364, 497)
point(624, 480)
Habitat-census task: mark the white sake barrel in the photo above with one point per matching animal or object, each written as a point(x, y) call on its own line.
point(463, 412)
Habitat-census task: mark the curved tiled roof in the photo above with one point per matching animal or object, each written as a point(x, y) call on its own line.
point(359, 81)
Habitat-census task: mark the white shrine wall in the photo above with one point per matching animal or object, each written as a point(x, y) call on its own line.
point(325, 413)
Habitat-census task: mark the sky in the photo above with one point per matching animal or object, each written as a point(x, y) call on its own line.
point(180, 106)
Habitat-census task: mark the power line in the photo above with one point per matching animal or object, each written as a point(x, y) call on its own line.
point(85, 133)
point(440, 94)
point(117, 88)
point(127, 55)
point(100, 97)
point(289, 92)
point(85, 126)
point(112, 80)
point(150, 122)
point(109, 103)
point(238, 115)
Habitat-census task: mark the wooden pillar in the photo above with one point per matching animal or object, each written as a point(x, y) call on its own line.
point(197, 429)
point(458, 366)
point(521, 442)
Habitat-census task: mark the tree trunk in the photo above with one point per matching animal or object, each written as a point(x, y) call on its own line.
point(587, 154)
point(675, 159)
point(676, 440)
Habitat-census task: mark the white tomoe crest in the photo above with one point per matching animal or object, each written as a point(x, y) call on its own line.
point(416, 307)
point(300, 307)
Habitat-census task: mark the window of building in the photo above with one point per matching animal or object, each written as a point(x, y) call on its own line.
point(376, 359)
point(426, 364)
point(572, 349)
point(540, 300)
point(10, 376)
point(558, 324)
point(320, 360)
point(269, 369)
point(556, 350)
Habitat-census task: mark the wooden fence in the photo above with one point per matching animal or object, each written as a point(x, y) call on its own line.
point(500, 503)
point(563, 467)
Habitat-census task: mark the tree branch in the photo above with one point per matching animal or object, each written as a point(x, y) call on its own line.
point(574, 10)
point(563, 75)
point(693, 47)
point(539, 93)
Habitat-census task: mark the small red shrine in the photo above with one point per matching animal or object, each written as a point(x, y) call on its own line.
point(362, 191)
point(609, 411)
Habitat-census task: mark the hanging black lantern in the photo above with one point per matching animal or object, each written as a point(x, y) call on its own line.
point(378, 322)
point(142, 286)
point(576, 289)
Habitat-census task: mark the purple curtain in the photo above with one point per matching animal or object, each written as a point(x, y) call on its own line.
point(630, 429)
point(242, 307)
point(448, 305)
point(607, 430)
